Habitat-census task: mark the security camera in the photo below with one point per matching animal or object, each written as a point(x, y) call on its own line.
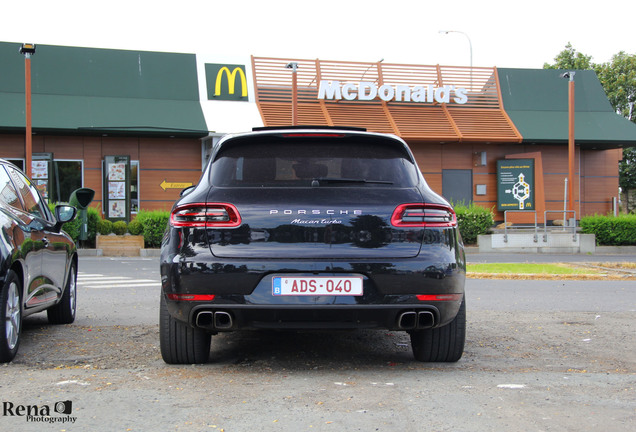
point(292, 65)
point(27, 49)
point(568, 75)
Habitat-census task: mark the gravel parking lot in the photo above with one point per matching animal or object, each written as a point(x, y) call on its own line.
point(531, 363)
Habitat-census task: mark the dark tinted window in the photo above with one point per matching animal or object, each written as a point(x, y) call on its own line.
point(306, 162)
point(30, 196)
point(8, 194)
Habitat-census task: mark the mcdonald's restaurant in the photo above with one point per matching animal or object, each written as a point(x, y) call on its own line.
point(138, 126)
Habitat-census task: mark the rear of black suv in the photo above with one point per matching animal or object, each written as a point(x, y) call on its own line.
point(312, 228)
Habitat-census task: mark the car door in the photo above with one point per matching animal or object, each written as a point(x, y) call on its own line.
point(46, 265)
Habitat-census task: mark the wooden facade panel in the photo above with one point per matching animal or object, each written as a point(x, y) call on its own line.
point(65, 147)
point(120, 146)
point(604, 208)
point(93, 180)
point(280, 114)
point(457, 156)
point(12, 146)
point(428, 157)
point(371, 117)
point(434, 182)
point(555, 158)
point(151, 183)
point(161, 154)
point(600, 162)
point(478, 117)
point(599, 188)
point(92, 153)
point(423, 122)
point(483, 125)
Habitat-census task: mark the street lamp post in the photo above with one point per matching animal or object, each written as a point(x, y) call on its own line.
point(570, 77)
point(28, 50)
point(294, 67)
point(470, 45)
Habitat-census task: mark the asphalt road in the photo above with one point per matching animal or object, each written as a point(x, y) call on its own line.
point(540, 356)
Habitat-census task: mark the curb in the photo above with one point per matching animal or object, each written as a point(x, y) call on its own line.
point(144, 253)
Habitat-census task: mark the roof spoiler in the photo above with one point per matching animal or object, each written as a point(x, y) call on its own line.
point(271, 128)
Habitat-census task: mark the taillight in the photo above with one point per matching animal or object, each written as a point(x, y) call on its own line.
point(439, 297)
point(423, 215)
point(202, 215)
point(191, 297)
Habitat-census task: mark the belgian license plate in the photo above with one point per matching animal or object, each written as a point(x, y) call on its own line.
point(320, 285)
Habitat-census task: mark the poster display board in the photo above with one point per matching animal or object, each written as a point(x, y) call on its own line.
point(117, 188)
point(42, 173)
point(515, 184)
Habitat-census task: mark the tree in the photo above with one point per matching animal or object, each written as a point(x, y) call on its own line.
point(619, 81)
point(569, 58)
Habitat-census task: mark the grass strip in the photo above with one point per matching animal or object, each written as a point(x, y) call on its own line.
point(529, 268)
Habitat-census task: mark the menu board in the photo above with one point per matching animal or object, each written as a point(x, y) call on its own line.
point(40, 172)
point(117, 187)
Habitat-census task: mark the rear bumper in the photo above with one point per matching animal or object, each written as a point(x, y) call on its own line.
point(407, 317)
point(243, 293)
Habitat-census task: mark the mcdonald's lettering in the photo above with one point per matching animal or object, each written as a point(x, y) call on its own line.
point(226, 82)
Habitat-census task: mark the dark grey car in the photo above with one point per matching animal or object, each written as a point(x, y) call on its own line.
point(38, 261)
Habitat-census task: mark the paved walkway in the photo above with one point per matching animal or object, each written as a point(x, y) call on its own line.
point(602, 254)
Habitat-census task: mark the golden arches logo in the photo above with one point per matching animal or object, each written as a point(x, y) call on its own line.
point(231, 79)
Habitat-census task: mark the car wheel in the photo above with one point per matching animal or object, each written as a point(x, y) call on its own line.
point(181, 344)
point(442, 344)
point(64, 311)
point(10, 317)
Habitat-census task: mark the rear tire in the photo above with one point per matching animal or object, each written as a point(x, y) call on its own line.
point(10, 317)
point(180, 343)
point(64, 311)
point(442, 344)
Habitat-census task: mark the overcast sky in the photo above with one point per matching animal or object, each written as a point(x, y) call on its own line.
point(504, 33)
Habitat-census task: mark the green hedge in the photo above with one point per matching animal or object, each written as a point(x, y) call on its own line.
point(611, 230)
point(150, 224)
point(473, 221)
point(104, 227)
point(154, 225)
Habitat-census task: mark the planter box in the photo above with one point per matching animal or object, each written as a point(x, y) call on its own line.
point(114, 245)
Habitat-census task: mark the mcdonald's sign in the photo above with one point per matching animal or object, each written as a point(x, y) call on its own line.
point(226, 82)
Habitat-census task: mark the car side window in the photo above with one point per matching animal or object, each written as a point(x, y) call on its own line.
point(30, 196)
point(8, 194)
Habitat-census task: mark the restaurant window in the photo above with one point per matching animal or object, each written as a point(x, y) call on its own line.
point(67, 176)
point(134, 186)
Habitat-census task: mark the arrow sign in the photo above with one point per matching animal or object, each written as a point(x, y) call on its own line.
point(174, 185)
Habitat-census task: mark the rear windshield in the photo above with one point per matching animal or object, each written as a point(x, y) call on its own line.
point(313, 162)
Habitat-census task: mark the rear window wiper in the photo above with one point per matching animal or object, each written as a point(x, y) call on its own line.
point(331, 180)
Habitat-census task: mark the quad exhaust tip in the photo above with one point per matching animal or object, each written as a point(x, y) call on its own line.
point(219, 320)
point(412, 320)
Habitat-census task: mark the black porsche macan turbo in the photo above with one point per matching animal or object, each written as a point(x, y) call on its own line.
point(312, 228)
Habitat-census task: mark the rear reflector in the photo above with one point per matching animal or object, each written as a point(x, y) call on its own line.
point(423, 215)
point(439, 297)
point(205, 215)
point(191, 297)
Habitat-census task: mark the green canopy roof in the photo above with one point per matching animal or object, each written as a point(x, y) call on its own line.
point(102, 91)
point(537, 102)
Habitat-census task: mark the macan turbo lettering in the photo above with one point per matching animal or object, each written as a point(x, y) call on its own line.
point(312, 228)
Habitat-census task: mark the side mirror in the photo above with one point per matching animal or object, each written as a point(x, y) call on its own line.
point(64, 214)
